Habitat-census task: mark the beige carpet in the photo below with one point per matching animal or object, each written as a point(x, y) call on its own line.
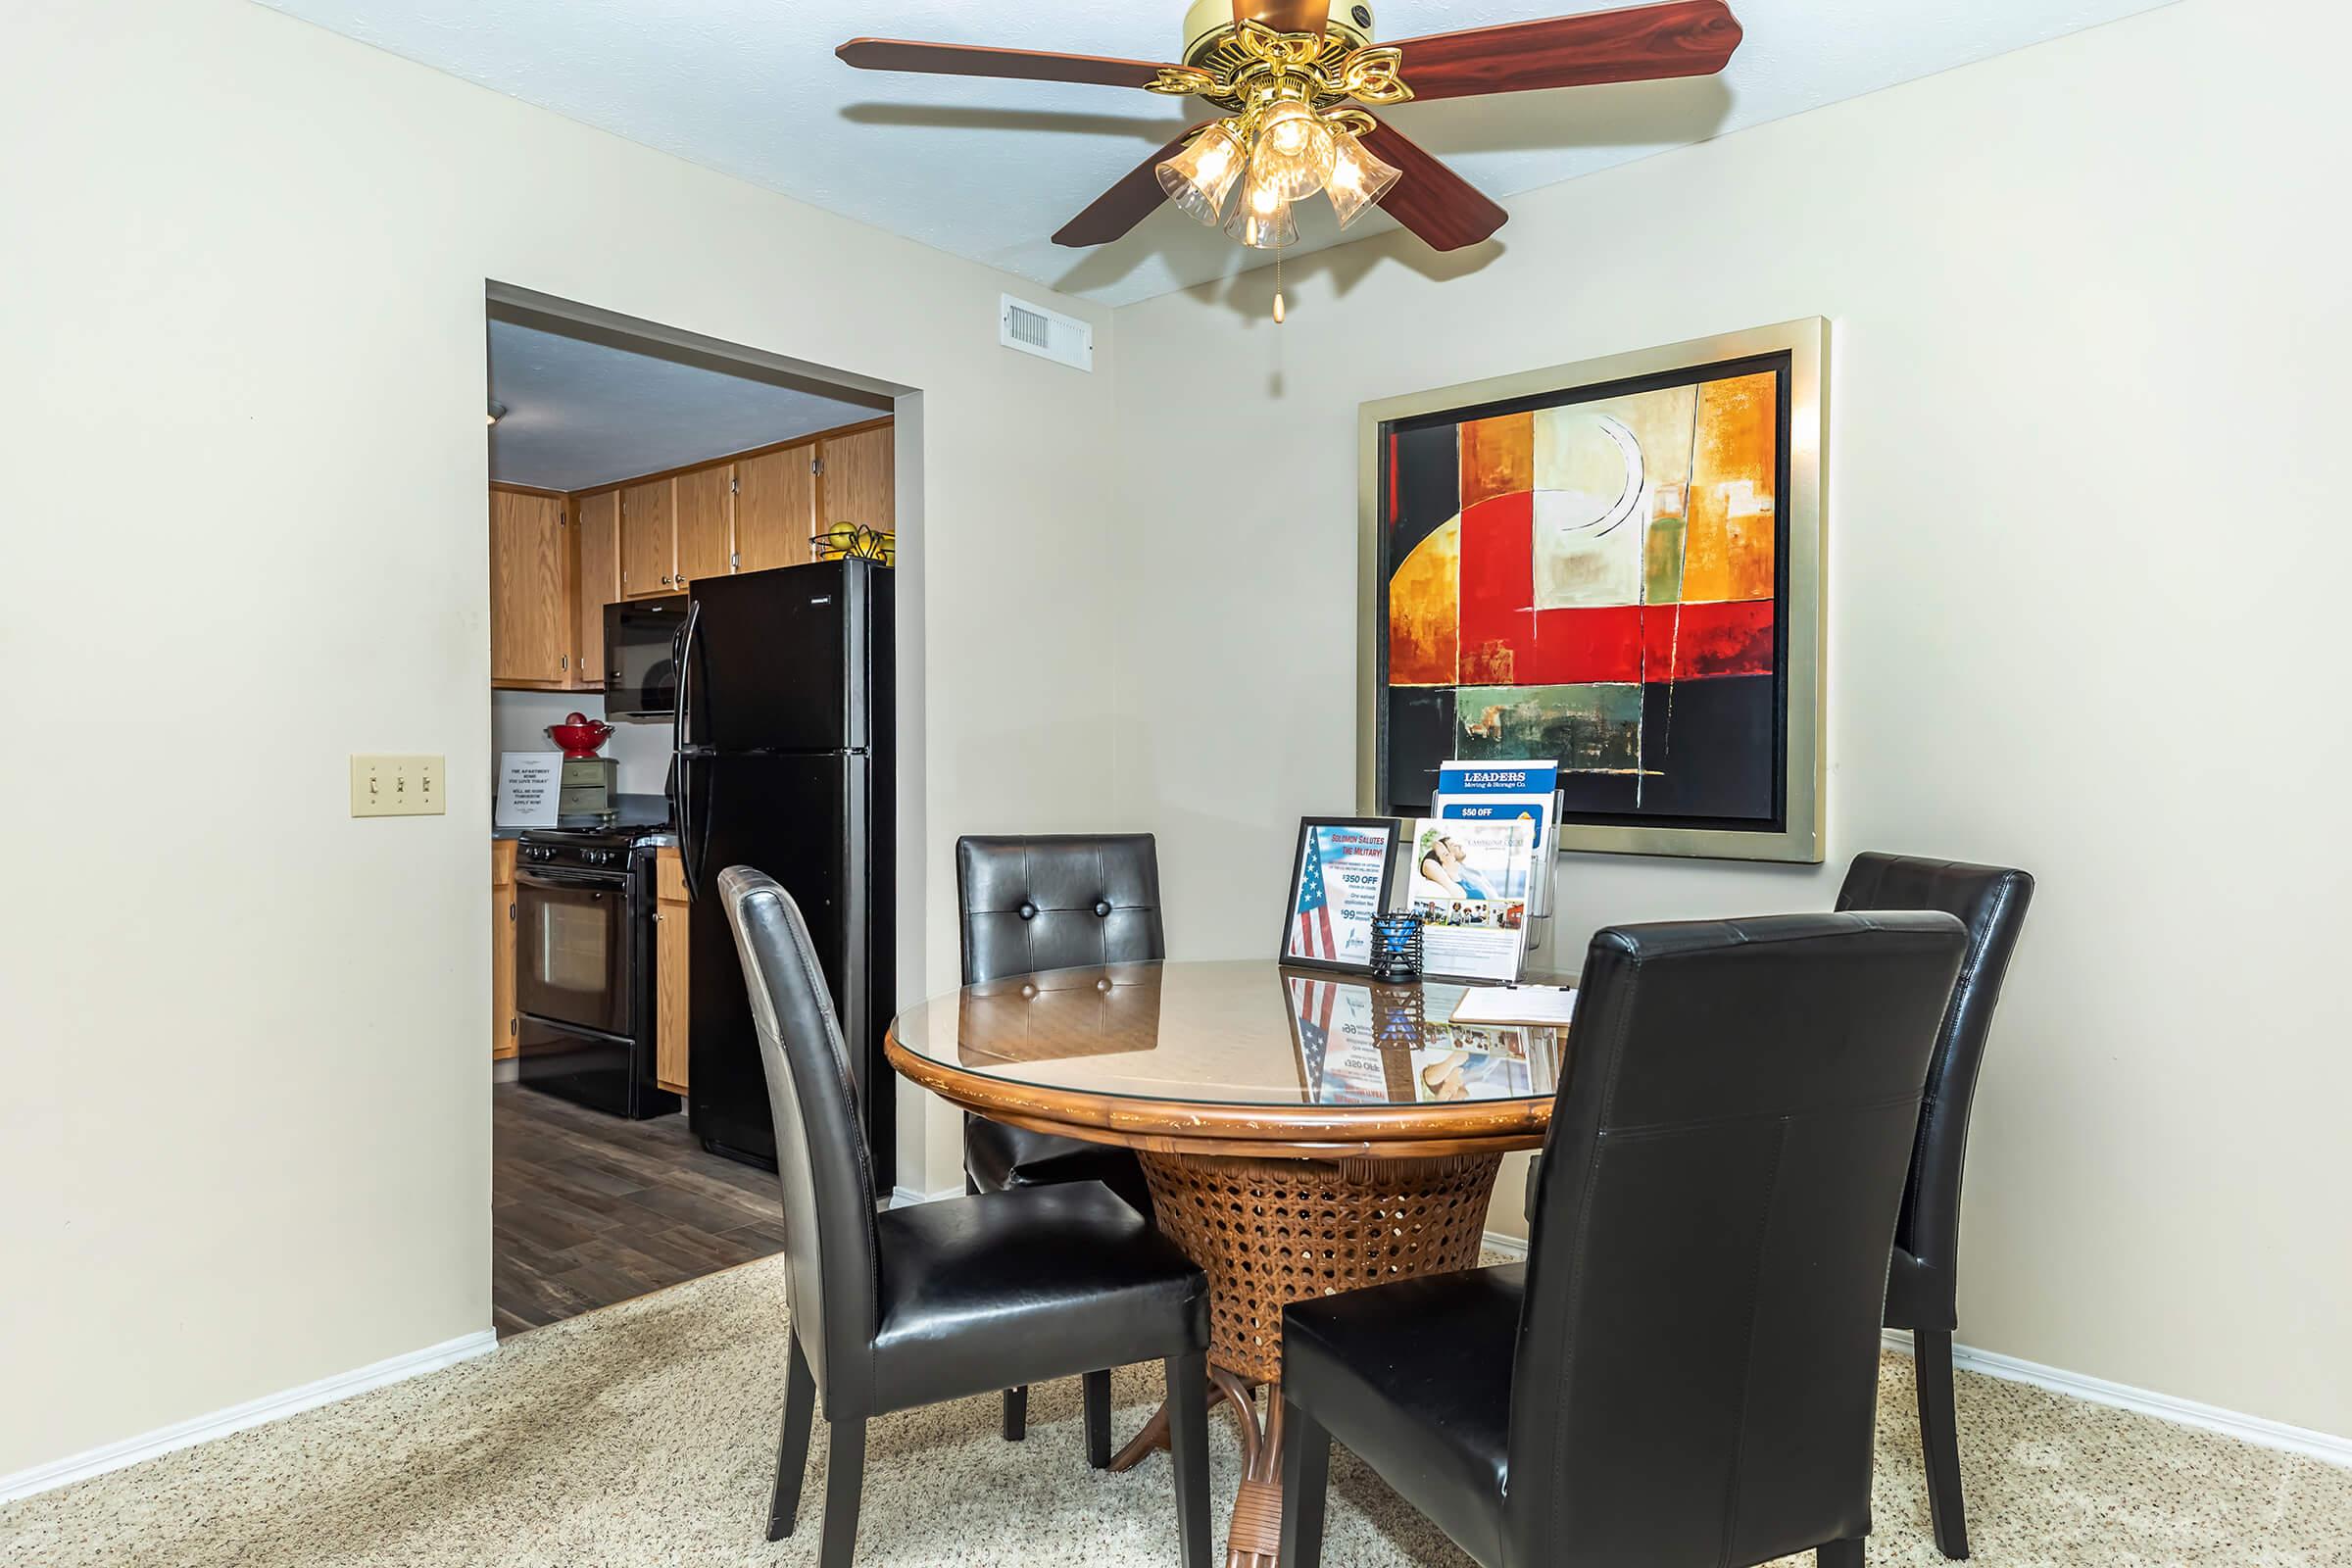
point(645, 1433)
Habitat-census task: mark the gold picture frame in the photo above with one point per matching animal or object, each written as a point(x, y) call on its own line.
point(1799, 351)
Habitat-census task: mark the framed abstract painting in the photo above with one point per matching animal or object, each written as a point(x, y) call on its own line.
point(1615, 565)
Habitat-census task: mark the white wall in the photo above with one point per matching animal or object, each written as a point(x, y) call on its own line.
point(639, 748)
point(2087, 562)
point(247, 1141)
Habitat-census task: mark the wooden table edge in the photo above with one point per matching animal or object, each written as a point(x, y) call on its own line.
point(1267, 1132)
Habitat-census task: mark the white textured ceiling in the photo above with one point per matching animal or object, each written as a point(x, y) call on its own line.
point(582, 412)
point(989, 169)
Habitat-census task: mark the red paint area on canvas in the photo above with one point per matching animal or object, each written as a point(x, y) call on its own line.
point(1499, 586)
point(1573, 646)
point(1690, 642)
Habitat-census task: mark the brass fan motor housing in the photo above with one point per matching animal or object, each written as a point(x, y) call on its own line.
point(1209, 23)
point(1244, 67)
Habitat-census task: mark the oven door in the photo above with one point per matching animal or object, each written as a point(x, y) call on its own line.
point(571, 950)
point(641, 657)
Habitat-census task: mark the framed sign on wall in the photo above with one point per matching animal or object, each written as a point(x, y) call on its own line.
point(1617, 565)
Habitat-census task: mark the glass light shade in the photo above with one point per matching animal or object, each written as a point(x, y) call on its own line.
point(1199, 178)
point(1263, 220)
point(1358, 178)
point(1294, 151)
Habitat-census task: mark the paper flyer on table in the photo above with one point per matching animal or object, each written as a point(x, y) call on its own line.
point(1470, 883)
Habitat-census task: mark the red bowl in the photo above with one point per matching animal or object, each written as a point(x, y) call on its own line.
point(580, 741)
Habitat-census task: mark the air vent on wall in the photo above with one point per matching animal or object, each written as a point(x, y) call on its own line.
point(1047, 335)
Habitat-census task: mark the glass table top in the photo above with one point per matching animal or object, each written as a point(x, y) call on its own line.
point(1237, 1033)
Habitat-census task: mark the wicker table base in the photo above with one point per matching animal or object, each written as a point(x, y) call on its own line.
point(1269, 1232)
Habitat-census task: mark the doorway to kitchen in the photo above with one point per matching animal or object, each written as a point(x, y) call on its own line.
point(693, 621)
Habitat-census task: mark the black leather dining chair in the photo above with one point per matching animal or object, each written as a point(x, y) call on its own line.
point(891, 1310)
point(1685, 1371)
point(1054, 902)
point(1923, 1288)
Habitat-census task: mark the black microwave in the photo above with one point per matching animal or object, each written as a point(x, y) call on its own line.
point(641, 657)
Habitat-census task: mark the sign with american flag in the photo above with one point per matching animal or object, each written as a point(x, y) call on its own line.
point(1343, 875)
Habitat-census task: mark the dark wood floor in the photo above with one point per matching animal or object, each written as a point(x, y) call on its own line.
point(588, 1209)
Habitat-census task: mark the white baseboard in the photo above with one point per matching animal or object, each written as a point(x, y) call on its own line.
point(237, 1417)
point(2257, 1430)
point(2252, 1429)
point(1512, 1246)
point(902, 1196)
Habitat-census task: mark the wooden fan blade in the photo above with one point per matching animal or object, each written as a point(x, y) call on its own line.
point(1641, 43)
point(1433, 201)
point(973, 60)
point(1284, 16)
point(1123, 206)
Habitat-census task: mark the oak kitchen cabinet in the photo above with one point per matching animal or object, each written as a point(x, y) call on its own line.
point(775, 509)
point(671, 911)
point(705, 523)
point(858, 479)
point(502, 949)
point(530, 591)
point(596, 529)
point(648, 540)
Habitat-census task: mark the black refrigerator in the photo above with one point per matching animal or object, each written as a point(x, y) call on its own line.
point(785, 732)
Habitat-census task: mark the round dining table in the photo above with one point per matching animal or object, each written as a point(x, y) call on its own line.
point(1303, 1132)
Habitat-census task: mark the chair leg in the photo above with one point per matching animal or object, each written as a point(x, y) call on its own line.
point(1097, 1387)
point(845, 1484)
point(1838, 1555)
point(1305, 1469)
point(1939, 1439)
point(1188, 1446)
point(792, 1454)
point(1016, 1414)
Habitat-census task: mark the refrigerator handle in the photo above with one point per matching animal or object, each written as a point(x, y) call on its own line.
point(680, 723)
point(670, 794)
point(681, 656)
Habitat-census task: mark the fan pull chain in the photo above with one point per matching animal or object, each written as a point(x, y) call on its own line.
point(1278, 287)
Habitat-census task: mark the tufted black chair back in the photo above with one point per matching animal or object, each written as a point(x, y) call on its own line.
point(1058, 902)
point(1990, 901)
point(830, 1246)
point(1696, 1378)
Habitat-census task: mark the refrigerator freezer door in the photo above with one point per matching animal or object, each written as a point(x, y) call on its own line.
point(806, 821)
point(780, 661)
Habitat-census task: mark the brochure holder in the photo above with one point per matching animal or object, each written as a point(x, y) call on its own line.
point(1540, 906)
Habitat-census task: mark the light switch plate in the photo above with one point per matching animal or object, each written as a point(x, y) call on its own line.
point(397, 786)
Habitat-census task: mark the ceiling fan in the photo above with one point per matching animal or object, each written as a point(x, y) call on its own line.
point(1293, 78)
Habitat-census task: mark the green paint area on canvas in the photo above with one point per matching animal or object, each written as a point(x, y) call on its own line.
point(1594, 729)
point(1662, 570)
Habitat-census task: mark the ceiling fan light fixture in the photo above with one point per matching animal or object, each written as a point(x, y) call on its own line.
point(1294, 154)
point(1358, 178)
point(1199, 178)
point(1262, 221)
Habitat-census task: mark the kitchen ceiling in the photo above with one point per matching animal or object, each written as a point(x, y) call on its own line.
point(583, 411)
point(989, 169)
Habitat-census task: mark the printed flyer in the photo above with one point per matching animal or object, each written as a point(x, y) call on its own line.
point(1469, 882)
point(1343, 880)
